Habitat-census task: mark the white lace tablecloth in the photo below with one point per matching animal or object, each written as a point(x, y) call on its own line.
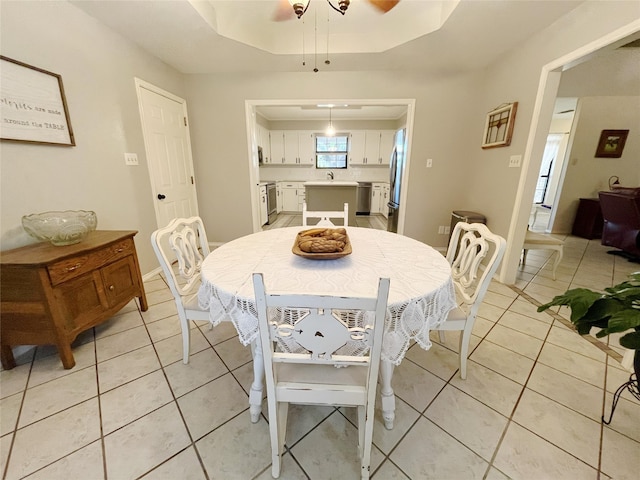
point(421, 291)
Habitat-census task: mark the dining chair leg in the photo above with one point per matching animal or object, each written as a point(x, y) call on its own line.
point(386, 392)
point(362, 418)
point(186, 336)
point(255, 393)
point(465, 338)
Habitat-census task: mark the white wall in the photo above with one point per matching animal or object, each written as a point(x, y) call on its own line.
point(516, 77)
point(216, 106)
point(98, 69)
point(586, 174)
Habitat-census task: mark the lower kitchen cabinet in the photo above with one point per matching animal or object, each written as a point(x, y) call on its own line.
point(290, 196)
point(380, 198)
point(52, 294)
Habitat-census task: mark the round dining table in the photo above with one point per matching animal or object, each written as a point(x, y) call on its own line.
point(420, 297)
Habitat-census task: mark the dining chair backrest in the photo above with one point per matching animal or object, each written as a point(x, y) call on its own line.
point(474, 254)
point(325, 216)
point(183, 241)
point(304, 338)
point(181, 247)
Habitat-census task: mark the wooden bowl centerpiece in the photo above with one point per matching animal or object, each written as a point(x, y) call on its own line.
point(322, 243)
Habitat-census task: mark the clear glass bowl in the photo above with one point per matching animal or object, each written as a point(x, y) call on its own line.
point(60, 228)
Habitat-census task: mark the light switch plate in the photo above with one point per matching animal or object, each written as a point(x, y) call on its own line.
point(131, 159)
point(515, 160)
point(429, 162)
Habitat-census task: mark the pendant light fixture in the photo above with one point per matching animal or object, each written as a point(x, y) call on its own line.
point(330, 131)
point(300, 6)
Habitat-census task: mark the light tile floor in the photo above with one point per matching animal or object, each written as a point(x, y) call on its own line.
point(530, 407)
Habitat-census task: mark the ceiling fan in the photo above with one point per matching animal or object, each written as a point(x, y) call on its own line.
point(287, 9)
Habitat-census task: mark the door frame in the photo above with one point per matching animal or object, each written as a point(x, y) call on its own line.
point(536, 140)
point(141, 84)
point(252, 146)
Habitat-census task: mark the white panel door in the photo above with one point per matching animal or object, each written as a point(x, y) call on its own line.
point(168, 149)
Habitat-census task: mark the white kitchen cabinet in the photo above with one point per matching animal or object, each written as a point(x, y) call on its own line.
point(277, 146)
point(370, 147)
point(387, 138)
point(376, 194)
point(290, 200)
point(264, 211)
point(279, 197)
point(384, 209)
point(380, 198)
point(263, 140)
point(299, 148)
point(307, 147)
point(356, 148)
point(301, 194)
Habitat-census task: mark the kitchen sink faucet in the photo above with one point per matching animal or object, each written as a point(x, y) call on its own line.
point(330, 175)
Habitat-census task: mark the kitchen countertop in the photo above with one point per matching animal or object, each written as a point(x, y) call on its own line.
point(330, 183)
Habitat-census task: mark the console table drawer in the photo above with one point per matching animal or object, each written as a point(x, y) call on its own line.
point(74, 267)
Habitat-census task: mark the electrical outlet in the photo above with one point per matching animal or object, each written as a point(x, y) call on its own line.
point(514, 160)
point(131, 159)
point(429, 162)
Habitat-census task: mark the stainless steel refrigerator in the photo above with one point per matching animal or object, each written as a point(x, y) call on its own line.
point(395, 180)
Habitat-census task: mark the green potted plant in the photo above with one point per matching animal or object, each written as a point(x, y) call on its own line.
point(616, 310)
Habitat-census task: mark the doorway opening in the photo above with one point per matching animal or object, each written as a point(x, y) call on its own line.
point(350, 112)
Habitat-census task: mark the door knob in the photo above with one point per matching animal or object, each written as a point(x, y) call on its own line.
point(161, 196)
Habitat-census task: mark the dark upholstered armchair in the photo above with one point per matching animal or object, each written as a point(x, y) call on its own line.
point(621, 213)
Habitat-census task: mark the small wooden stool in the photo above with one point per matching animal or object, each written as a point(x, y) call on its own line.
point(539, 241)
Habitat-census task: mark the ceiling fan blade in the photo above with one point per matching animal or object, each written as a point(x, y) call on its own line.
point(284, 11)
point(384, 5)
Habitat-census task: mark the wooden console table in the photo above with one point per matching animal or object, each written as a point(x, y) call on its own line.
point(51, 294)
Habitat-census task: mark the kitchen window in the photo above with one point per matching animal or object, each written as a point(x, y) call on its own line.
point(331, 152)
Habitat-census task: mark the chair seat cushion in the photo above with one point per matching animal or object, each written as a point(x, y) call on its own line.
point(533, 238)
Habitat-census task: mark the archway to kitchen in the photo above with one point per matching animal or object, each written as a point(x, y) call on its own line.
point(346, 114)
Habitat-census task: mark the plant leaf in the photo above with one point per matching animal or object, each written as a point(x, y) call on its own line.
point(578, 299)
point(631, 340)
point(623, 320)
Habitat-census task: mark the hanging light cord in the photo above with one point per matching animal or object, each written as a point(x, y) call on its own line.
point(315, 53)
point(327, 61)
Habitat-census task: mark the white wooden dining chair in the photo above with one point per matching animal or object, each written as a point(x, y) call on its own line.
point(320, 325)
point(181, 247)
point(325, 217)
point(474, 254)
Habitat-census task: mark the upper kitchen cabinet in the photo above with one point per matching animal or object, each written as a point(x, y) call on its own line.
point(292, 147)
point(387, 138)
point(299, 147)
point(370, 147)
point(262, 139)
point(277, 146)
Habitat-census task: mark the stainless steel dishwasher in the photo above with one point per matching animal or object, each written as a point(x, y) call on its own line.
point(363, 205)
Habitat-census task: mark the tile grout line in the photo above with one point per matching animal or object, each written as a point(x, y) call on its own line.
point(556, 316)
point(15, 430)
point(605, 348)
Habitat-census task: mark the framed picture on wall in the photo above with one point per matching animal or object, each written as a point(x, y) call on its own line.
point(611, 143)
point(498, 127)
point(33, 107)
